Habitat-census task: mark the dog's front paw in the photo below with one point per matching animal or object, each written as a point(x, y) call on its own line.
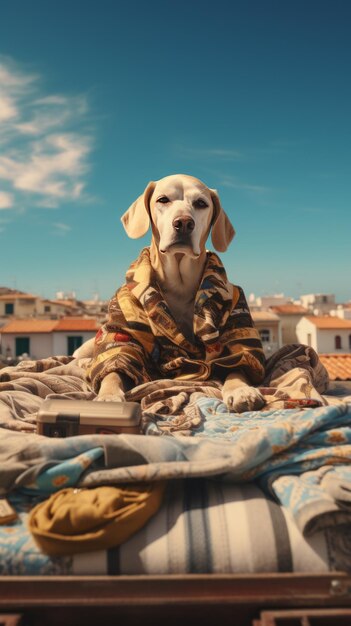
point(110, 397)
point(243, 398)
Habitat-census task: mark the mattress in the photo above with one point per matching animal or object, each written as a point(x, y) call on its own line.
point(203, 526)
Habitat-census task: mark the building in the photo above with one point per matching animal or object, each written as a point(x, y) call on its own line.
point(24, 305)
point(53, 309)
point(43, 338)
point(326, 334)
point(343, 311)
point(18, 304)
point(265, 302)
point(96, 308)
point(289, 315)
point(318, 303)
point(71, 332)
point(268, 325)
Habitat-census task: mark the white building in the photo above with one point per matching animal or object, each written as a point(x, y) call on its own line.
point(264, 302)
point(343, 311)
point(43, 338)
point(318, 303)
point(289, 315)
point(325, 334)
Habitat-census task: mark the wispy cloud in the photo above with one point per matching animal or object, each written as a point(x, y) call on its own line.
point(6, 200)
point(235, 183)
point(44, 144)
point(209, 153)
point(61, 228)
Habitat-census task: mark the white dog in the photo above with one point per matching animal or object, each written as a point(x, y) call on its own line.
point(183, 212)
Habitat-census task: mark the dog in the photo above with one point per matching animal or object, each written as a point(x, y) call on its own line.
point(152, 321)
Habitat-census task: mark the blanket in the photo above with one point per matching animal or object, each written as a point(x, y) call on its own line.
point(301, 456)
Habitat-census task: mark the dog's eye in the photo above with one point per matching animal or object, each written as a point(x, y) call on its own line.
point(200, 204)
point(163, 200)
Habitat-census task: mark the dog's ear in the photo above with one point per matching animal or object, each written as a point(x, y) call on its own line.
point(136, 220)
point(222, 229)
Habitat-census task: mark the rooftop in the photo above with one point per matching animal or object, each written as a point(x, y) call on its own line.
point(29, 326)
point(289, 309)
point(264, 316)
point(337, 365)
point(17, 296)
point(66, 303)
point(66, 324)
point(63, 303)
point(70, 324)
point(329, 322)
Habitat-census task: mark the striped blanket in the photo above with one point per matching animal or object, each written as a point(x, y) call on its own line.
point(203, 526)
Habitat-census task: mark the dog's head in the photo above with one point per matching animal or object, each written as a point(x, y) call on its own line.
point(182, 211)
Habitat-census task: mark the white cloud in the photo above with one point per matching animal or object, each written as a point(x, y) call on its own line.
point(7, 108)
point(6, 200)
point(52, 168)
point(12, 77)
point(44, 144)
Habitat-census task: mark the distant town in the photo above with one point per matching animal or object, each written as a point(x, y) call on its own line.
point(32, 327)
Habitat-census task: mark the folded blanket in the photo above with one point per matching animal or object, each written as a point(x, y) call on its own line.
point(24, 387)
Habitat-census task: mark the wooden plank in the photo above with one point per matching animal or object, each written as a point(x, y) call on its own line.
point(204, 589)
point(235, 600)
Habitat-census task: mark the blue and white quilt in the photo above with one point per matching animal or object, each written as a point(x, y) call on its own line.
point(302, 457)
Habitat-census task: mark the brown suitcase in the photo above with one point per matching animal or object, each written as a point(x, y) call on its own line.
point(66, 418)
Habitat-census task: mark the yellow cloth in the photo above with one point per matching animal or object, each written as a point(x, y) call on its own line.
point(82, 520)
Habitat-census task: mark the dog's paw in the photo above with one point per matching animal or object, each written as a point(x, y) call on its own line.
point(110, 397)
point(243, 398)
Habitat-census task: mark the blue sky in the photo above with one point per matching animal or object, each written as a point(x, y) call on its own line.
point(99, 97)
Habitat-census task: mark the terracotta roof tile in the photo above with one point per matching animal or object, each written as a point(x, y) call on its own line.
point(289, 309)
point(338, 365)
point(264, 316)
point(327, 321)
point(70, 324)
point(66, 324)
point(29, 326)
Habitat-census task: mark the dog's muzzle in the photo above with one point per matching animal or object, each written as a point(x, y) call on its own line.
point(183, 225)
point(182, 241)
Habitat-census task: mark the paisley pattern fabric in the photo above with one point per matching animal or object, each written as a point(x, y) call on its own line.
point(142, 341)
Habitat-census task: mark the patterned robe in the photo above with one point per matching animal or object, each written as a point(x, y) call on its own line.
point(141, 340)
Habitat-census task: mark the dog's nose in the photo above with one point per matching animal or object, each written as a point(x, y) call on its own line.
point(184, 224)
